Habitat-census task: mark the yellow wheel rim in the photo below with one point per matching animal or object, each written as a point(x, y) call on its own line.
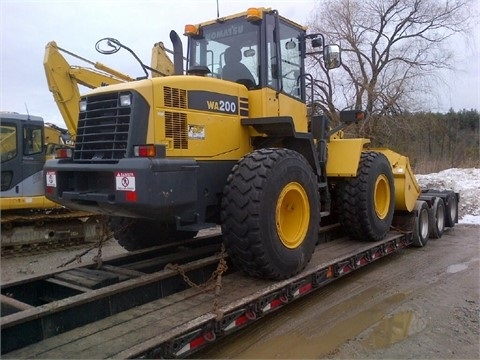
point(382, 196)
point(292, 215)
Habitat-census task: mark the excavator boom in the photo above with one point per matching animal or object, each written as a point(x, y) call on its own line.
point(63, 80)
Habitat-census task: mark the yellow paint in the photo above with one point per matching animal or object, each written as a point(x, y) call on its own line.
point(381, 196)
point(407, 189)
point(292, 215)
point(344, 156)
point(27, 202)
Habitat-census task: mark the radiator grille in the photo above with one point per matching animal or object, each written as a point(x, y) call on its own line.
point(174, 97)
point(176, 128)
point(102, 133)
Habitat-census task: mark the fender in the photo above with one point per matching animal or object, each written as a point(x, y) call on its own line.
point(344, 156)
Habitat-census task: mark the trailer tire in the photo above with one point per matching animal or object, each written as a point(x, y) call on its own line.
point(451, 210)
point(365, 203)
point(271, 213)
point(421, 228)
point(137, 234)
point(437, 218)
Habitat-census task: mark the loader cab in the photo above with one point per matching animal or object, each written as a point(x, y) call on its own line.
point(264, 52)
point(22, 155)
point(258, 49)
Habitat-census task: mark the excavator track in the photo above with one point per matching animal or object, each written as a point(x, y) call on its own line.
point(42, 231)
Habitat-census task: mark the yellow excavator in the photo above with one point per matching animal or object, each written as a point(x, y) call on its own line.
point(28, 217)
point(64, 79)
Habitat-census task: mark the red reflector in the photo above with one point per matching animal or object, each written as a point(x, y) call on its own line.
point(49, 190)
point(241, 320)
point(131, 196)
point(197, 342)
point(305, 288)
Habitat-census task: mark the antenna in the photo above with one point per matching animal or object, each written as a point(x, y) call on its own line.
point(218, 11)
point(26, 108)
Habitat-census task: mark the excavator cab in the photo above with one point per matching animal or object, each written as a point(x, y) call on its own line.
point(22, 155)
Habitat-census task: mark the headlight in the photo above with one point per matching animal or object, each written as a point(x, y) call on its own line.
point(125, 100)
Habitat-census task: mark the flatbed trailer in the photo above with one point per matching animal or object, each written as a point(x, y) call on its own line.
point(145, 316)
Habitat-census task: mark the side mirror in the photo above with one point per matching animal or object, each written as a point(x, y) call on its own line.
point(332, 56)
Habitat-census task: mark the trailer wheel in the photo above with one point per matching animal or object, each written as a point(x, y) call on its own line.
point(422, 224)
point(437, 218)
point(136, 234)
point(270, 213)
point(366, 202)
point(451, 210)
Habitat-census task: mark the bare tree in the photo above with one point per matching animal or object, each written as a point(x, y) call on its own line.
point(392, 52)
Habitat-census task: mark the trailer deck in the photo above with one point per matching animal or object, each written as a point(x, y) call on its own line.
point(179, 324)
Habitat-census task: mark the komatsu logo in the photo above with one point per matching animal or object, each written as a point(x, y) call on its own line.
point(210, 101)
point(223, 33)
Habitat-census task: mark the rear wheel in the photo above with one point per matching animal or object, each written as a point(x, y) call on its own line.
point(437, 218)
point(366, 202)
point(421, 228)
point(451, 210)
point(136, 234)
point(270, 213)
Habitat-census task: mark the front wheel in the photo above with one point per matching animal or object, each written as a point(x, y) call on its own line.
point(270, 213)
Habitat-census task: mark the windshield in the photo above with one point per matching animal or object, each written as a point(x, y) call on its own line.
point(228, 49)
point(8, 141)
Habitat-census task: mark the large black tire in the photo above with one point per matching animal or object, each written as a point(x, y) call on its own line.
point(365, 203)
point(422, 224)
point(270, 213)
point(451, 210)
point(437, 218)
point(136, 234)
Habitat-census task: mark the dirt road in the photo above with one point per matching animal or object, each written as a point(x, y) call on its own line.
point(419, 303)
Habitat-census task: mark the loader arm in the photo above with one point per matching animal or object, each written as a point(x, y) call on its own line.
point(63, 80)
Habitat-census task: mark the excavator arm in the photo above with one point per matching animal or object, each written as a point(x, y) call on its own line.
point(63, 80)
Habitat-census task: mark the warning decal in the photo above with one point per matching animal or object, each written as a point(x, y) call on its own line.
point(51, 179)
point(125, 181)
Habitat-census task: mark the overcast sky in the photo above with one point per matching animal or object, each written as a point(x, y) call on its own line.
point(26, 26)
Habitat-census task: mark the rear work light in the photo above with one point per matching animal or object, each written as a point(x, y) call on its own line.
point(144, 151)
point(64, 153)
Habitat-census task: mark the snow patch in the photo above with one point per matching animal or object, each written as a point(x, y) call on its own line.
point(464, 181)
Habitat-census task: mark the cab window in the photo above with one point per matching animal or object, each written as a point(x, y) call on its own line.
point(284, 74)
point(32, 140)
point(8, 141)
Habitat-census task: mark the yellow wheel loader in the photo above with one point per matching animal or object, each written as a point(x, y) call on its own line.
point(228, 140)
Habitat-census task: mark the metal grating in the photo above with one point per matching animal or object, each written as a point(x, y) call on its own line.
point(174, 97)
point(176, 128)
point(102, 133)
